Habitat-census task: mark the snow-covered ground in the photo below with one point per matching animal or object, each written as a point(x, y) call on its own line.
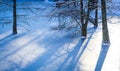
point(41, 49)
point(104, 57)
point(112, 61)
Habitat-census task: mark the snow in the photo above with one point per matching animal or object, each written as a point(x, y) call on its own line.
point(113, 57)
point(43, 49)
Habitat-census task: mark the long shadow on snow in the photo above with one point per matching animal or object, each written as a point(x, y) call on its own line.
point(9, 38)
point(6, 37)
point(52, 44)
point(75, 54)
point(18, 48)
point(102, 57)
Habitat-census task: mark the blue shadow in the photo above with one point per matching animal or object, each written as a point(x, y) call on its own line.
point(41, 60)
point(76, 53)
point(102, 56)
point(73, 56)
point(9, 38)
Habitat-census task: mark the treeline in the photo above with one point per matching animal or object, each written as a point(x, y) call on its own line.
point(77, 13)
point(72, 14)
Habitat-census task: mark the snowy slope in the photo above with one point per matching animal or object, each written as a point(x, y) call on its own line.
point(38, 48)
point(112, 61)
point(50, 51)
point(109, 56)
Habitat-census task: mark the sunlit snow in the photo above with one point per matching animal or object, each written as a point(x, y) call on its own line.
point(38, 48)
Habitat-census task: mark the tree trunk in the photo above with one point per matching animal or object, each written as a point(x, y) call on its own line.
point(83, 33)
point(84, 25)
point(105, 34)
point(84, 30)
point(96, 14)
point(81, 11)
point(14, 18)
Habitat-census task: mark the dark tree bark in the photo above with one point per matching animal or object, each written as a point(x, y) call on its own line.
point(84, 30)
point(81, 11)
point(96, 14)
point(14, 18)
point(92, 4)
point(105, 33)
point(84, 25)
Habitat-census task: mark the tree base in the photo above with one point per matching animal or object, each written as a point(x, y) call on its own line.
point(105, 43)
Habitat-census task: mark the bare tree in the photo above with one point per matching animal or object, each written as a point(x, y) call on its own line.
point(14, 18)
point(84, 24)
point(105, 32)
point(96, 13)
